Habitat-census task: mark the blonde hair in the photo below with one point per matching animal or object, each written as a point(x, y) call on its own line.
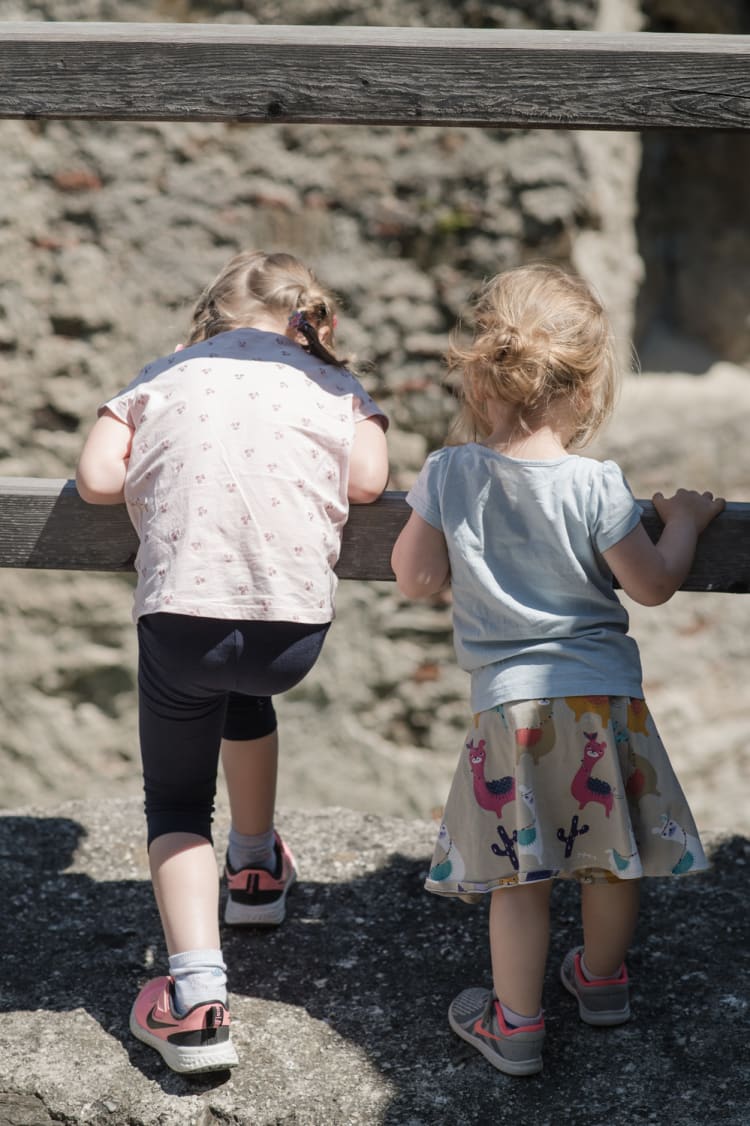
point(541, 339)
point(255, 282)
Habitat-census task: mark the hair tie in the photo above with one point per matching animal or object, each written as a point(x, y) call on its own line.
point(299, 321)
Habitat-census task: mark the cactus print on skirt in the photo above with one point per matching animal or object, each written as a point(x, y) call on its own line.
point(576, 787)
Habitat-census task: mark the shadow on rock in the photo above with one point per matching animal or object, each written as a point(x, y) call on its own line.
point(365, 967)
point(68, 941)
point(378, 960)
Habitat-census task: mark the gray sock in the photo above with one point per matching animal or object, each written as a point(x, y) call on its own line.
point(252, 851)
point(199, 976)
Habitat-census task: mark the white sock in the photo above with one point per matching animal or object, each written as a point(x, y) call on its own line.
point(199, 976)
point(518, 1020)
point(593, 977)
point(252, 851)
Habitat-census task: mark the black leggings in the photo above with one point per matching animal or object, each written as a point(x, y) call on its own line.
point(201, 680)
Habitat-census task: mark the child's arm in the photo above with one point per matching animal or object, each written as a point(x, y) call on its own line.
point(100, 476)
point(368, 465)
point(420, 559)
point(650, 573)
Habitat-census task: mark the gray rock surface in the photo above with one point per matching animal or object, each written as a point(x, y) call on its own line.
point(339, 1015)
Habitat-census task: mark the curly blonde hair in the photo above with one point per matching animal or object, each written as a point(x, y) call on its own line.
point(255, 282)
point(541, 339)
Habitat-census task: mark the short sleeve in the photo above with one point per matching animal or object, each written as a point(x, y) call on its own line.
point(364, 406)
point(119, 407)
point(424, 495)
point(614, 511)
point(122, 404)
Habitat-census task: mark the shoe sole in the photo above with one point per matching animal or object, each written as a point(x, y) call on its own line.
point(186, 1060)
point(510, 1067)
point(606, 1019)
point(262, 915)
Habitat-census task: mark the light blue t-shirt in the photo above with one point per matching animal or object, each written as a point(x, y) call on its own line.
point(534, 610)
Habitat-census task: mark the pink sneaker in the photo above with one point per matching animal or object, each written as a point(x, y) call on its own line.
point(198, 1041)
point(257, 897)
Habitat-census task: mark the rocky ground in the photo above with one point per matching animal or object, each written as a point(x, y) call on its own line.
point(340, 1014)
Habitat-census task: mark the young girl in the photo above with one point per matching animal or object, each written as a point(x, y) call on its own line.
point(563, 774)
point(237, 458)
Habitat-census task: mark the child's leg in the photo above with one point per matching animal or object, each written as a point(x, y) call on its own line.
point(273, 657)
point(609, 912)
point(250, 756)
point(260, 867)
point(519, 940)
point(184, 1016)
point(181, 722)
point(250, 768)
point(186, 887)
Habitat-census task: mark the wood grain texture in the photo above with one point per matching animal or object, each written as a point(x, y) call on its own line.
point(45, 524)
point(367, 75)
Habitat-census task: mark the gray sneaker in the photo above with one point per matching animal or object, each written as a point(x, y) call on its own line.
point(599, 1002)
point(475, 1015)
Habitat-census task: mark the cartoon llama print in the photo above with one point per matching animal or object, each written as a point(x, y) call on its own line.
point(642, 778)
point(529, 838)
point(672, 831)
point(638, 716)
point(589, 705)
point(586, 789)
point(641, 774)
point(500, 709)
point(451, 867)
point(626, 865)
point(538, 738)
point(490, 794)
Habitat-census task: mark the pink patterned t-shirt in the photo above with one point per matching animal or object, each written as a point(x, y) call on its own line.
point(237, 479)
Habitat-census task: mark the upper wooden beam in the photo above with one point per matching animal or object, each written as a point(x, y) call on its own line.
point(370, 75)
point(45, 524)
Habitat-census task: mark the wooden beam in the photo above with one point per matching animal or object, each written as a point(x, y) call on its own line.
point(370, 75)
point(45, 524)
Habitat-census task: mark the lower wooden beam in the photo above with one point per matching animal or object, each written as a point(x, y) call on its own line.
point(44, 524)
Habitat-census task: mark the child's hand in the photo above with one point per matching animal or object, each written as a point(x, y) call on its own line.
point(686, 504)
point(650, 573)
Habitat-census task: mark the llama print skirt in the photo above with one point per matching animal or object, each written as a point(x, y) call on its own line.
point(576, 787)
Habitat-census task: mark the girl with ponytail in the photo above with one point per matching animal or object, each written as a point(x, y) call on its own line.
point(237, 457)
point(563, 774)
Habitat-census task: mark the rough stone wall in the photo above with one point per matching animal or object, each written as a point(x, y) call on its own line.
point(107, 233)
point(694, 221)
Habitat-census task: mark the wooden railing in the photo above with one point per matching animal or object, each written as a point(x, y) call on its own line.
point(369, 75)
point(362, 76)
point(45, 524)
